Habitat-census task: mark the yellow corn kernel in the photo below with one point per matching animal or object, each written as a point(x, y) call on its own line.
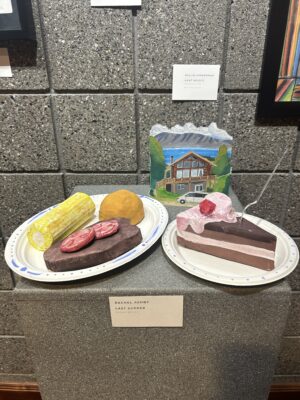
point(61, 221)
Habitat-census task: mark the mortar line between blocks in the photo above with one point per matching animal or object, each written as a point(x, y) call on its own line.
point(72, 173)
point(45, 45)
point(12, 337)
point(58, 143)
point(291, 337)
point(225, 45)
point(136, 92)
point(290, 179)
point(224, 64)
point(17, 374)
point(286, 374)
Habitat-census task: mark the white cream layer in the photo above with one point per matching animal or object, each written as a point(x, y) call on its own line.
point(241, 248)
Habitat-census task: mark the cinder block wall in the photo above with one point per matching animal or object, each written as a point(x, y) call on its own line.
point(79, 108)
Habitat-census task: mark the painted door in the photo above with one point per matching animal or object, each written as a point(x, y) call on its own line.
point(199, 188)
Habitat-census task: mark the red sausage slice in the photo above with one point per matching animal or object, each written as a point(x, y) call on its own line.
point(77, 240)
point(106, 228)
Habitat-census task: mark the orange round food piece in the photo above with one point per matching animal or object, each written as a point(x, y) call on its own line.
point(122, 204)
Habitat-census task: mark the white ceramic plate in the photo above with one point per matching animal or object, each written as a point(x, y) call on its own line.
point(226, 272)
point(24, 260)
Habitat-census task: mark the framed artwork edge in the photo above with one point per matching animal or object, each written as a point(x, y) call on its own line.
point(267, 107)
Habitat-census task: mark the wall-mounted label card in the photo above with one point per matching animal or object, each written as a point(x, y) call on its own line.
point(195, 82)
point(5, 7)
point(5, 68)
point(115, 3)
point(146, 311)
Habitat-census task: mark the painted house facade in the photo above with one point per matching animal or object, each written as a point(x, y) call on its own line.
point(189, 173)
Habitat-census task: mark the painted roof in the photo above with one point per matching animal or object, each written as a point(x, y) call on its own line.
point(191, 153)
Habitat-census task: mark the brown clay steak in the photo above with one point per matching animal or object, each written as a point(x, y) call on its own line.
point(98, 252)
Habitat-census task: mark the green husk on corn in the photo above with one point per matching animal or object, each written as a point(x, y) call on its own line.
point(61, 221)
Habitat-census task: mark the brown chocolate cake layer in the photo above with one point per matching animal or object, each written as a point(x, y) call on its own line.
point(231, 255)
point(98, 252)
point(241, 232)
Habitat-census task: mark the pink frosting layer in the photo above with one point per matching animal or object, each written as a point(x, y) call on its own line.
point(193, 217)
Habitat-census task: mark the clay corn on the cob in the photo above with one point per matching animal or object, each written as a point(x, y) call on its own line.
point(61, 221)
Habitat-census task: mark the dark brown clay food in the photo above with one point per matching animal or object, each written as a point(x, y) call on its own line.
point(97, 252)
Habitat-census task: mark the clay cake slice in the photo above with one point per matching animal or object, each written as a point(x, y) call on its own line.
point(242, 242)
point(98, 252)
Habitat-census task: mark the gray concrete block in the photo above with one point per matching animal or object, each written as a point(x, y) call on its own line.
point(14, 357)
point(98, 132)
point(294, 277)
point(160, 109)
point(247, 32)
point(292, 222)
point(24, 195)
point(27, 59)
point(289, 358)
point(177, 32)
point(72, 180)
point(26, 134)
point(6, 282)
point(293, 322)
point(89, 48)
point(256, 147)
point(271, 206)
point(9, 315)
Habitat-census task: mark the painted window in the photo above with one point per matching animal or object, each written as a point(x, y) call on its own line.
point(180, 164)
point(197, 172)
point(186, 173)
point(187, 164)
point(180, 186)
point(179, 174)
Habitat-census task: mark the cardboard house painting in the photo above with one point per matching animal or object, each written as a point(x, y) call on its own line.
point(188, 162)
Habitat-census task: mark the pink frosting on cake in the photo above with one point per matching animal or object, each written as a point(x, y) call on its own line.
point(193, 217)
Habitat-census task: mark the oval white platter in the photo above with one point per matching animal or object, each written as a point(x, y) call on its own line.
point(24, 260)
point(226, 272)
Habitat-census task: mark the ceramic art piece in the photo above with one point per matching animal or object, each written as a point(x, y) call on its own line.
point(187, 162)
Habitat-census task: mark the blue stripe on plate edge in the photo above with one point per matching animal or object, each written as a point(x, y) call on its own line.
point(24, 269)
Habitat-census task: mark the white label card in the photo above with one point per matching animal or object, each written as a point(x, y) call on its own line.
point(195, 82)
point(146, 311)
point(115, 3)
point(5, 7)
point(5, 69)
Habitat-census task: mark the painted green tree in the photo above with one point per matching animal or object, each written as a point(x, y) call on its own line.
point(222, 169)
point(222, 162)
point(158, 164)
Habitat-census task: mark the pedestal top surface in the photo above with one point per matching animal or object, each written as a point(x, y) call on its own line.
point(151, 273)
